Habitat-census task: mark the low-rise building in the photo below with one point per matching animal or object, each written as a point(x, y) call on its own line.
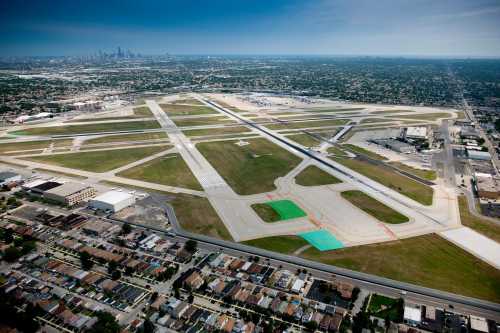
point(112, 201)
point(7, 177)
point(487, 187)
point(70, 193)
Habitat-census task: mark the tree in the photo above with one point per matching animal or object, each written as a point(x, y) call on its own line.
point(148, 326)
point(86, 261)
point(116, 274)
point(106, 323)
point(191, 246)
point(8, 236)
point(112, 266)
point(126, 229)
point(11, 254)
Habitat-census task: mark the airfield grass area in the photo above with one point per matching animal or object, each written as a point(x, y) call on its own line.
point(374, 207)
point(363, 151)
point(402, 184)
point(336, 151)
point(427, 116)
point(333, 109)
point(89, 128)
point(422, 173)
point(98, 161)
point(252, 168)
point(185, 110)
point(314, 176)
point(266, 212)
point(307, 124)
point(203, 121)
point(280, 244)
point(128, 137)
point(32, 145)
point(196, 214)
point(187, 101)
point(429, 260)
point(374, 120)
point(216, 131)
point(483, 226)
point(304, 139)
point(391, 111)
point(166, 170)
point(142, 111)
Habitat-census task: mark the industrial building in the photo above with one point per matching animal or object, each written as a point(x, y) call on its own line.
point(70, 193)
point(7, 177)
point(478, 155)
point(416, 133)
point(112, 201)
point(44, 186)
point(398, 146)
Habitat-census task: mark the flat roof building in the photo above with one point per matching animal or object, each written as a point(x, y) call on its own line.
point(415, 132)
point(44, 187)
point(9, 177)
point(70, 193)
point(112, 201)
point(487, 187)
point(479, 155)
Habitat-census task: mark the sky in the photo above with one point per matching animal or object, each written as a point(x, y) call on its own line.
point(456, 28)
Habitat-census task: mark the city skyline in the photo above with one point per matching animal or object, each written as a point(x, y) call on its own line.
point(388, 28)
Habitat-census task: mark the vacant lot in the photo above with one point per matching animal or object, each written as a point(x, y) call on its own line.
point(386, 307)
point(167, 170)
point(307, 124)
point(374, 207)
point(314, 176)
point(404, 185)
point(216, 131)
point(128, 137)
point(196, 214)
point(422, 173)
point(483, 226)
point(90, 128)
point(363, 151)
point(426, 116)
point(31, 145)
point(184, 110)
point(99, 161)
point(251, 168)
point(280, 244)
point(203, 121)
point(428, 260)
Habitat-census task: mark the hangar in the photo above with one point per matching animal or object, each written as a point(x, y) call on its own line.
point(112, 201)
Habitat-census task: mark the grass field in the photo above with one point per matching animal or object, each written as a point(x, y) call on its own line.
point(128, 137)
point(29, 145)
point(266, 212)
point(386, 307)
point(184, 110)
point(483, 226)
point(280, 244)
point(216, 131)
point(314, 176)
point(375, 120)
point(98, 161)
point(333, 109)
point(306, 124)
point(426, 116)
point(364, 151)
point(304, 139)
point(428, 260)
point(196, 214)
point(374, 207)
point(252, 168)
point(203, 121)
point(404, 185)
point(89, 128)
point(422, 173)
point(391, 111)
point(167, 170)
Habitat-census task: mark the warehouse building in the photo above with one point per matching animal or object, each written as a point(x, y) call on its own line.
point(70, 193)
point(416, 133)
point(112, 201)
point(398, 146)
point(43, 187)
point(479, 155)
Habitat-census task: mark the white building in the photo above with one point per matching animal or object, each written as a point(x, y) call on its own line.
point(419, 133)
point(479, 155)
point(112, 201)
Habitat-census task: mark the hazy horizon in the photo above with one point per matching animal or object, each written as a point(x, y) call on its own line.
point(387, 28)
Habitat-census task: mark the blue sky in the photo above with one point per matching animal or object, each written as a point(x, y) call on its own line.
point(327, 27)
